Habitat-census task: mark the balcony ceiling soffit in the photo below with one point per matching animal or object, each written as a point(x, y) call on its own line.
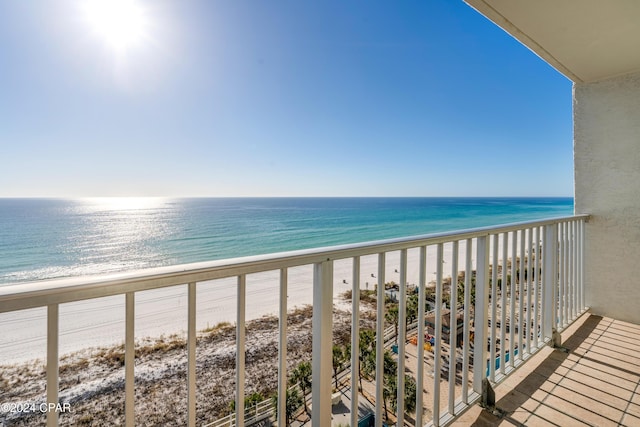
point(586, 40)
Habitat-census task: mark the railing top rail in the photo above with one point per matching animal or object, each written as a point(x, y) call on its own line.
point(36, 294)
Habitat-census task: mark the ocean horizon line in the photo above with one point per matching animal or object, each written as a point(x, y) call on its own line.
point(277, 197)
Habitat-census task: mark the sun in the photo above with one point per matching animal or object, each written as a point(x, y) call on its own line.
point(121, 24)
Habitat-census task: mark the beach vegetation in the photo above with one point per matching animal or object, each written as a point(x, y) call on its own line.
point(299, 314)
point(162, 345)
point(218, 327)
point(338, 360)
point(392, 316)
point(250, 401)
point(366, 358)
point(302, 376)
point(4, 383)
point(410, 388)
point(499, 282)
point(294, 401)
point(472, 291)
point(113, 356)
point(164, 357)
point(86, 420)
point(412, 309)
point(389, 370)
point(366, 296)
point(390, 388)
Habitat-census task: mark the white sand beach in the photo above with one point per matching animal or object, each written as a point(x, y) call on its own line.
point(100, 322)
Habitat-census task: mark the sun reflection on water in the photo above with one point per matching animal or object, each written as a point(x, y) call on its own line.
point(118, 233)
point(123, 203)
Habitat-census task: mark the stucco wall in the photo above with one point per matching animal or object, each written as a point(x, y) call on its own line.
point(607, 186)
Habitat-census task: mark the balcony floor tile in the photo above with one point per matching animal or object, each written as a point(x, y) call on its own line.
point(597, 382)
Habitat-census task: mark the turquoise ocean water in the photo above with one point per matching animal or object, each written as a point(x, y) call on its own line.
point(52, 238)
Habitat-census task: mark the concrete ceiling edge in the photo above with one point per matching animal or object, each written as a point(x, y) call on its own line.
point(510, 28)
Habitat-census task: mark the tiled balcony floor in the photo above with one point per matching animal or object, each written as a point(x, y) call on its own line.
point(596, 383)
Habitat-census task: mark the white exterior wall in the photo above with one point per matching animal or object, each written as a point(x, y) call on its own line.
point(607, 186)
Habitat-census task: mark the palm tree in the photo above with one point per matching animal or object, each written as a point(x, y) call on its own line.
point(391, 316)
point(367, 339)
point(390, 389)
point(390, 366)
point(338, 361)
point(302, 376)
point(472, 291)
point(412, 309)
point(410, 387)
point(293, 403)
point(389, 369)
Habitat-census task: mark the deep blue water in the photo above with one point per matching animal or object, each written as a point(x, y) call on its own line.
point(51, 238)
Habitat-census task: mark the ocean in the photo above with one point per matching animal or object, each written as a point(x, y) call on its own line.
point(53, 238)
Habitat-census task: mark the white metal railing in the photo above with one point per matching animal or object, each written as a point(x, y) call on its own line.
point(543, 293)
point(254, 414)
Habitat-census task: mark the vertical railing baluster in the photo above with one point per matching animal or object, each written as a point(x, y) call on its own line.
point(572, 271)
point(355, 340)
point(583, 302)
point(583, 238)
point(421, 320)
point(574, 275)
point(521, 285)
point(558, 298)
point(565, 275)
point(512, 298)
point(561, 296)
point(541, 283)
point(550, 279)
point(529, 281)
point(578, 263)
point(322, 343)
point(569, 271)
point(467, 322)
point(240, 349)
point(503, 303)
point(282, 350)
point(577, 284)
point(380, 310)
point(191, 356)
point(494, 306)
point(129, 360)
point(453, 326)
point(567, 256)
point(52, 362)
point(437, 332)
point(536, 287)
point(481, 314)
point(402, 331)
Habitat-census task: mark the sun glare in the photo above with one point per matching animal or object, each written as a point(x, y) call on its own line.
point(121, 24)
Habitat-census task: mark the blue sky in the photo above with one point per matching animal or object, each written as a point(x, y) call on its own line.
point(278, 98)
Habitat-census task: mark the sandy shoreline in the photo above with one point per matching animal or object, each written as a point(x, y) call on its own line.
point(100, 322)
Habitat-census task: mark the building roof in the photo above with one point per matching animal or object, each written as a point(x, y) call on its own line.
point(431, 318)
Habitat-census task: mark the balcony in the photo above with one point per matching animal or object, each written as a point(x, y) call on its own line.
point(513, 291)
